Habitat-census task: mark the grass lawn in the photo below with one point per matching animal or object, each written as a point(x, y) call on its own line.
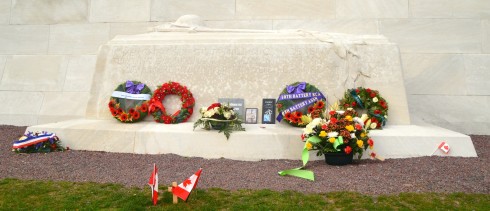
point(47, 195)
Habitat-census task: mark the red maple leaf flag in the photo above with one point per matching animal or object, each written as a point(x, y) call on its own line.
point(184, 189)
point(154, 184)
point(444, 147)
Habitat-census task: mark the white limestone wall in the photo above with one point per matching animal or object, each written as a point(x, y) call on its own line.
point(48, 48)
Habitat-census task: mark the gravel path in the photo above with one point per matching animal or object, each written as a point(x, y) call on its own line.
point(423, 174)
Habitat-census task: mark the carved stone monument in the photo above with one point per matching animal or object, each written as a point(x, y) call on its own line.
point(248, 64)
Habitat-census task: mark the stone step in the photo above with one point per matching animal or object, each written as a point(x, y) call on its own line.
point(258, 142)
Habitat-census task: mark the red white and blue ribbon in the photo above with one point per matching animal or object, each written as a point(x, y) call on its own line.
point(31, 139)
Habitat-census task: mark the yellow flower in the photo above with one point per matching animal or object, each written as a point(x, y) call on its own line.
point(360, 143)
point(348, 118)
point(331, 140)
point(308, 145)
point(363, 135)
point(350, 128)
point(370, 147)
point(323, 134)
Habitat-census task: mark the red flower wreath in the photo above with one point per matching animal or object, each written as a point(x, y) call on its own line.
point(157, 109)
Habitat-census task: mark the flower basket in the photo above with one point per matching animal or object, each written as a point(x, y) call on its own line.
point(338, 158)
point(219, 117)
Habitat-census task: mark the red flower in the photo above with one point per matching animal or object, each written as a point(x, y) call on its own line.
point(357, 91)
point(214, 105)
point(112, 104)
point(302, 137)
point(190, 110)
point(383, 104)
point(144, 108)
point(123, 117)
point(131, 111)
point(324, 127)
point(53, 146)
point(372, 94)
point(279, 105)
point(333, 120)
point(377, 111)
point(347, 150)
point(332, 113)
point(287, 115)
point(368, 90)
point(373, 155)
point(370, 142)
point(353, 104)
point(358, 127)
point(310, 109)
point(135, 115)
point(119, 111)
point(166, 119)
point(346, 105)
point(319, 105)
point(293, 119)
point(298, 114)
point(113, 112)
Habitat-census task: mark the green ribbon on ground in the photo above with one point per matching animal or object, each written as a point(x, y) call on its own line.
point(305, 156)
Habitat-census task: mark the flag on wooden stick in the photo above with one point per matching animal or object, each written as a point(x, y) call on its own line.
point(154, 184)
point(184, 189)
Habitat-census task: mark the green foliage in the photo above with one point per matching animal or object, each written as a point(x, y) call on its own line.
point(47, 195)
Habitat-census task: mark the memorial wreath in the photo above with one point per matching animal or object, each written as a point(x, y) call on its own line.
point(129, 102)
point(299, 103)
point(158, 111)
point(370, 100)
point(37, 142)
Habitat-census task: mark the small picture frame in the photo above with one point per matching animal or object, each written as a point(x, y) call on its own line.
point(251, 115)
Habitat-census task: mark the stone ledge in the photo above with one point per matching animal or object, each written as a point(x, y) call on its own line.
point(259, 142)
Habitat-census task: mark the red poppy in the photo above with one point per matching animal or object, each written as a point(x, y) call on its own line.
point(372, 94)
point(112, 104)
point(131, 111)
point(287, 115)
point(144, 108)
point(370, 142)
point(298, 114)
point(353, 104)
point(377, 111)
point(113, 112)
point(332, 113)
point(310, 109)
point(294, 119)
point(119, 111)
point(135, 115)
point(347, 150)
point(319, 105)
point(123, 117)
point(333, 120)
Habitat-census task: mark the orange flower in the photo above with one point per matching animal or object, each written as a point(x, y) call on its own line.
point(287, 115)
point(123, 117)
point(135, 115)
point(319, 105)
point(298, 114)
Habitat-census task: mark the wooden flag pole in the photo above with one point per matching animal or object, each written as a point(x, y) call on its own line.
point(175, 198)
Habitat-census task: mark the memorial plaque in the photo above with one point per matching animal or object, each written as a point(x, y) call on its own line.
point(268, 111)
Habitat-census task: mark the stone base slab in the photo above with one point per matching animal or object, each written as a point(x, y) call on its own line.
point(259, 142)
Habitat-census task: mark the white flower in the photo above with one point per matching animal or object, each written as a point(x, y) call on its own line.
point(208, 114)
point(216, 110)
point(340, 112)
point(353, 135)
point(375, 99)
point(307, 130)
point(203, 109)
point(232, 112)
point(364, 117)
point(332, 134)
point(374, 125)
point(227, 115)
point(359, 121)
point(349, 109)
point(386, 117)
point(315, 122)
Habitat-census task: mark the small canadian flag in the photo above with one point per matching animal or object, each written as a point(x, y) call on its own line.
point(444, 147)
point(184, 189)
point(154, 184)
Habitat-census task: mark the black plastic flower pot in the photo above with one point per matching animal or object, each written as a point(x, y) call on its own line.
point(338, 158)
